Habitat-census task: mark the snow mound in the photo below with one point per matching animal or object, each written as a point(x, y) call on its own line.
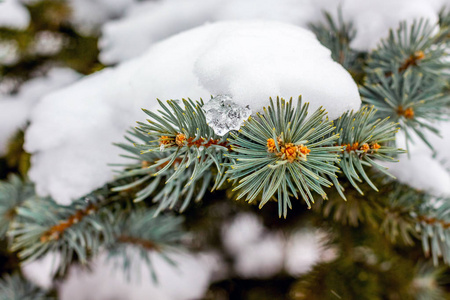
point(13, 15)
point(189, 279)
point(145, 23)
point(81, 122)
point(15, 109)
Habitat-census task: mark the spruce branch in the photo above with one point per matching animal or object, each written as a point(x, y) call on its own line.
point(13, 193)
point(14, 287)
point(365, 141)
point(397, 218)
point(336, 35)
point(433, 224)
point(145, 234)
point(76, 231)
point(417, 46)
point(282, 152)
point(167, 187)
point(427, 283)
point(410, 99)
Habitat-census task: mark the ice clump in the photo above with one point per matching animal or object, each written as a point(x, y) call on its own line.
point(242, 59)
point(224, 115)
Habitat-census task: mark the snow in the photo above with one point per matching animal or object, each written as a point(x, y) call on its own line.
point(13, 15)
point(306, 248)
point(424, 169)
point(374, 18)
point(244, 230)
point(9, 52)
point(422, 172)
point(262, 259)
point(188, 280)
point(42, 271)
point(144, 23)
point(89, 15)
point(261, 253)
point(15, 109)
point(241, 59)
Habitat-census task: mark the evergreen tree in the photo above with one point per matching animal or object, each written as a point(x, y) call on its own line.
point(295, 167)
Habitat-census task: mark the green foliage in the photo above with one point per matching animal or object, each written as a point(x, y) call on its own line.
point(427, 284)
point(365, 139)
point(410, 99)
point(76, 231)
point(283, 152)
point(179, 151)
point(12, 194)
point(417, 46)
point(336, 36)
point(16, 288)
point(276, 155)
point(433, 223)
point(138, 233)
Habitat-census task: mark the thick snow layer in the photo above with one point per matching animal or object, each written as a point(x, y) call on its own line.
point(146, 23)
point(13, 15)
point(41, 271)
point(242, 59)
point(188, 280)
point(15, 109)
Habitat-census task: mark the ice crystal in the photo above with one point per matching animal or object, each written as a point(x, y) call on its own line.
point(223, 114)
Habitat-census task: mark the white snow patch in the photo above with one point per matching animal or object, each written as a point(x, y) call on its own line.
point(261, 259)
point(373, 18)
point(89, 15)
point(13, 15)
point(421, 172)
point(15, 109)
point(188, 280)
point(146, 23)
point(42, 271)
point(81, 122)
point(244, 230)
point(9, 52)
point(143, 23)
point(261, 253)
point(306, 248)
